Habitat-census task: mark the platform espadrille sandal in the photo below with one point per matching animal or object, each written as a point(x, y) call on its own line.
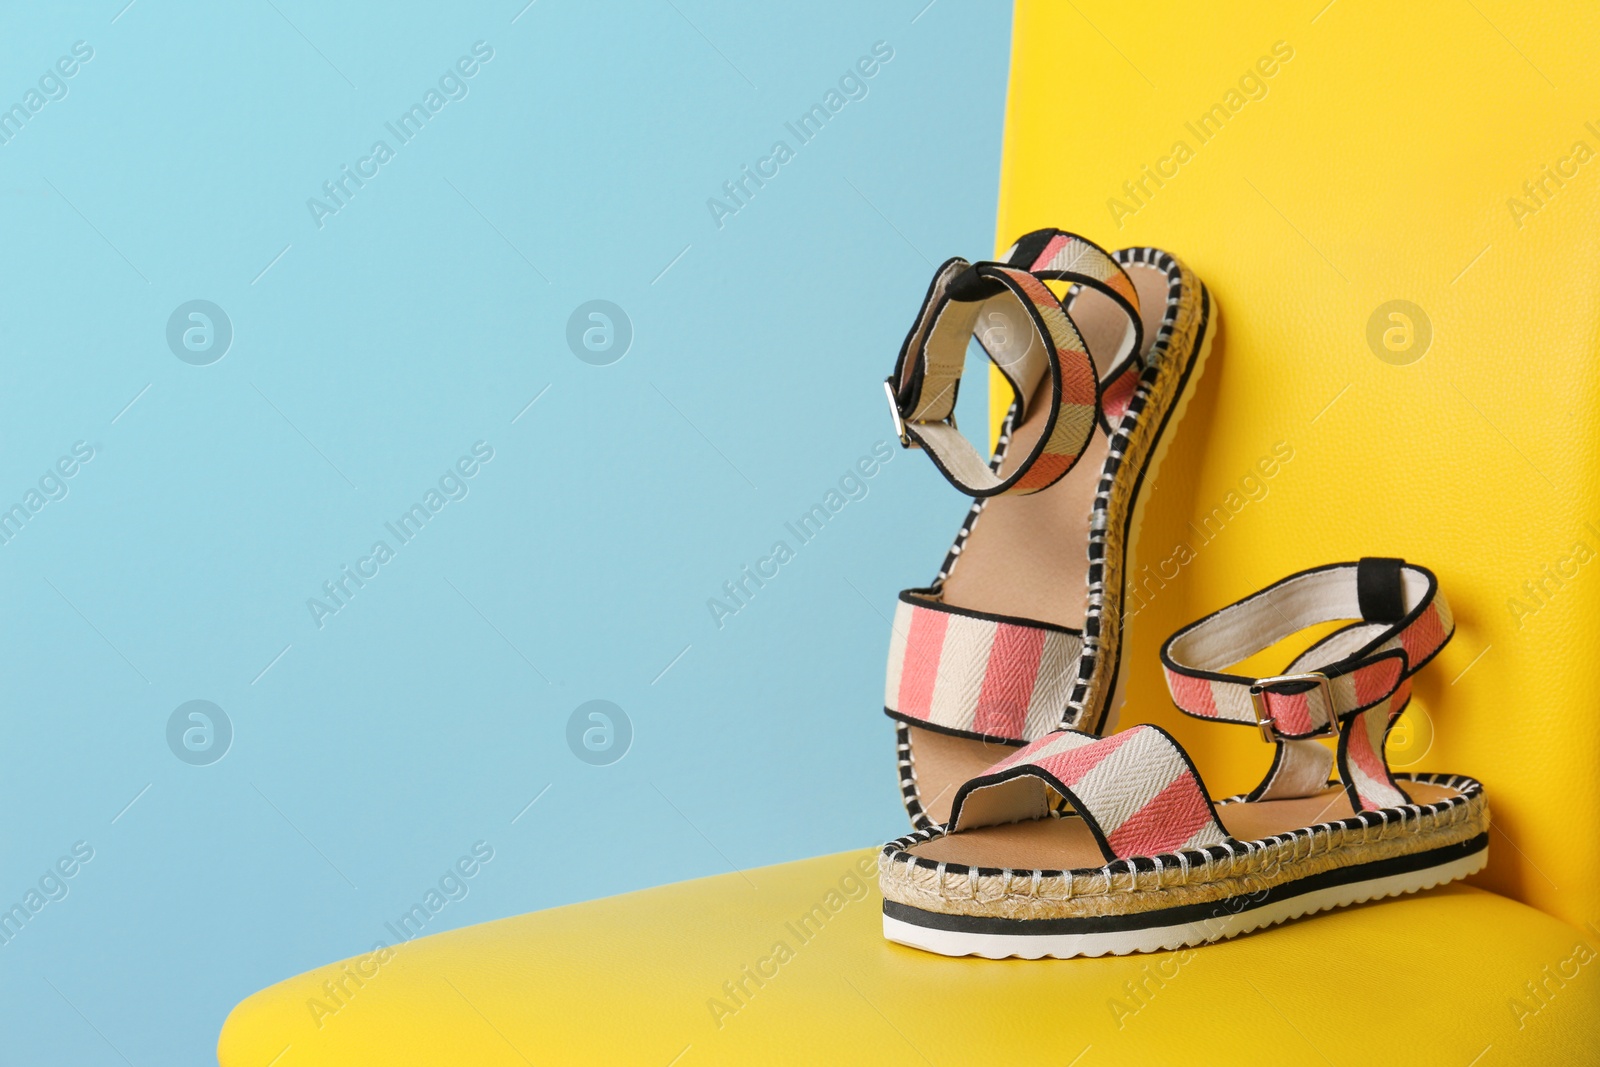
point(1081, 846)
point(1022, 631)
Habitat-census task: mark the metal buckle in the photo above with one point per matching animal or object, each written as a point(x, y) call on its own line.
point(894, 413)
point(899, 423)
point(1258, 700)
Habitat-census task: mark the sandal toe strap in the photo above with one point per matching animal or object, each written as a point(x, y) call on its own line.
point(1137, 791)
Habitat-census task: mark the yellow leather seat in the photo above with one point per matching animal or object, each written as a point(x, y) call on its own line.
point(790, 967)
point(1334, 159)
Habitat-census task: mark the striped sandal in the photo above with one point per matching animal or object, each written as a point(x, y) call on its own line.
point(1083, 846)
point(1026, 635)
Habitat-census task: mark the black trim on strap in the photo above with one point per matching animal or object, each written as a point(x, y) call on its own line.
point(970, 287)
point(928, 597)
point(960, 282)
point(1380, 590)
point(1027, 249)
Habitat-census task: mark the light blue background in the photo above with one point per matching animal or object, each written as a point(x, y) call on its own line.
point(370, 753)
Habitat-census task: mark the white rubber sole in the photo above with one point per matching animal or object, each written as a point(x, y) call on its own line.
point(1219, 927)
point(1152, 470)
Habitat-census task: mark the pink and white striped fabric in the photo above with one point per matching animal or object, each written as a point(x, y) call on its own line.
point(1136, 789)
point(1401, 622)
point(1294, 714)
point(1003, 679)
point(1427, 634)
point(1196, 657)
point(1062, 256)
point(1117, 393)
point(1035, 343)
point(1066, 255)
point(1362, 764)
point(1037, 347)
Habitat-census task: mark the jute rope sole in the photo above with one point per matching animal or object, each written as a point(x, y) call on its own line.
point(1223, 924)
point(1183, 898)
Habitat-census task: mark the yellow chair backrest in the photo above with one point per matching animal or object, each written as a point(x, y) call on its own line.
point(1395, 207)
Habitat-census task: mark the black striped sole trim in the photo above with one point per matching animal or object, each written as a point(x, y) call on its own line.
point(1189, 913)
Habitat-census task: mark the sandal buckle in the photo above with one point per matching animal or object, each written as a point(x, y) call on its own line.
point(894, 413)
point(1258, 700)
point(900, 423)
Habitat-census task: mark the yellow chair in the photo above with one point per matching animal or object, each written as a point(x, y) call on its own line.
point(1396, 207)
point(790, 967)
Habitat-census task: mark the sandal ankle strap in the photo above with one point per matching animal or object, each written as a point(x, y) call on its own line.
point(1056, 255)
point(1028, 336)
point(1062, 387)
point(1403, 622)
point(1354, 682)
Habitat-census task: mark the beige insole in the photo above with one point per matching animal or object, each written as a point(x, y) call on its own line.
point(943, 763)
point(1066, 844)
point(1028, 556)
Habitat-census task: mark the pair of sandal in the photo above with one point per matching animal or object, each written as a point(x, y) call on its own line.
point(1038, 830)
